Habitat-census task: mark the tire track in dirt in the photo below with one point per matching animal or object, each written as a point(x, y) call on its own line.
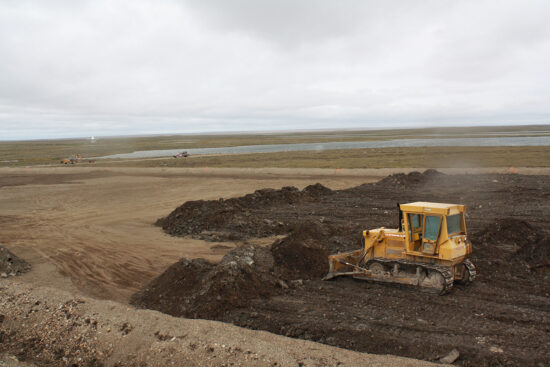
point(95, 234)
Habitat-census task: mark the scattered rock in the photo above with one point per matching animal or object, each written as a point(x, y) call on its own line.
point(282, 284)
point(451, 357)
point(494, 349)
point(10, 264)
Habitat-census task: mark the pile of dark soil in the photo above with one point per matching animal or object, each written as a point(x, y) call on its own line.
point(413, 178)
point(196, 288)
point(510, 240)
point(11, 265)
point(512, 231)
point(316, 190)
point(537, 254)
point(199, 289)
point(167, 293)
point(302, 254)
point(234, 219)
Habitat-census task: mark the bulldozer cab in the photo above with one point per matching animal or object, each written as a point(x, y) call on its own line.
point(429, 224)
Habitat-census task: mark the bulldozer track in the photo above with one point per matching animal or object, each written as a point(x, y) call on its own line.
point(443, 270)
point(471, 270)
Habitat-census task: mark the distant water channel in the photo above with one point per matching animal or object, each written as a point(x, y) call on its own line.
point(397, 143)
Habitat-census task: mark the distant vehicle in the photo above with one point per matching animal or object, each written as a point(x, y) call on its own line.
point(72, 159)
point(181, 154)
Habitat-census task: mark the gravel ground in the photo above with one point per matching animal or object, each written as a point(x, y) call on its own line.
point(8, 360)
point(50, 327)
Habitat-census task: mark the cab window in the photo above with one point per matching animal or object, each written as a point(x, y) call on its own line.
point(415, 221)
point(431, 228)
point(454, 223)
point(415, 225)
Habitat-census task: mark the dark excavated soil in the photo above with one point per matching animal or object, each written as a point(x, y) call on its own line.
point(302, 254)
point(199, 289)
point(502, 319)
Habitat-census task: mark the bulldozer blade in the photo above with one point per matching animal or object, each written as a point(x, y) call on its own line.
point(332, 275)
point(345, 264)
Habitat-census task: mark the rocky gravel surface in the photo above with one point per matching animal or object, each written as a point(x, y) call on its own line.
point(48, 327)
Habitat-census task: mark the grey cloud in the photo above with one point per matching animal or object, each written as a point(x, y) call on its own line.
point(147, 66)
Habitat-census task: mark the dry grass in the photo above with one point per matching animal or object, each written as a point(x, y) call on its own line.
point(436, 157)
point(50, 152)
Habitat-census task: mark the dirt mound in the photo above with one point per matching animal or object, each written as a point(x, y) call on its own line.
point(509, 240)
point(413, 178)
point(317, 190)
point(218, 220)
point(195, 288)
point(537, 254)
point(166, 292)
point(513, 232)
point(236, 218)
point(11, 265)
point(199, 289)
point(302, 254)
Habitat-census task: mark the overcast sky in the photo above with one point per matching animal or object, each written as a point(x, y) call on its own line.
point(105, 67)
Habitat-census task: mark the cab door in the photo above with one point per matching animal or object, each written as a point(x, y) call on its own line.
point(432, 227)
point(415, 224)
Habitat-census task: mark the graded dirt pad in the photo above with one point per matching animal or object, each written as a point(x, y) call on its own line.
point(66, 177)
point(11, 265)
point(501, 319)
point(90, 229)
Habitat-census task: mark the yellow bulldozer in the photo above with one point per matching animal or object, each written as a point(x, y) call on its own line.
point(428, 250)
